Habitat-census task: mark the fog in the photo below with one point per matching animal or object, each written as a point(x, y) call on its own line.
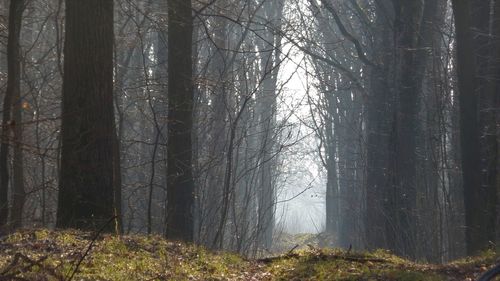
point(238, 125)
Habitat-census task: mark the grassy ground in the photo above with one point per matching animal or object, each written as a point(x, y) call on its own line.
point(62, 255)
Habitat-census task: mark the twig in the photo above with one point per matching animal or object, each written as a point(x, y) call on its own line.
point(292, 249)
point(90, 247)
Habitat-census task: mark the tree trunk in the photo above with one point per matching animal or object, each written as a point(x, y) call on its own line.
point(332, 188)
point(180, 185)
point(217, 140)
point(483, 42)
point(12, 110)
point(86, 185)
point(378, 112)
point(266, 108)
point(494, 90)
point(476, 222)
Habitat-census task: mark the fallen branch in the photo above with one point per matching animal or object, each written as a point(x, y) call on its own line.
point(90, 247)
point(16, 263)
point(323, 256)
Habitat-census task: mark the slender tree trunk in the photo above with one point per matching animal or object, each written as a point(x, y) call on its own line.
point(18, 192)
point(332, 189)
point(117, 181)
point(180, 185)
point(218, 70)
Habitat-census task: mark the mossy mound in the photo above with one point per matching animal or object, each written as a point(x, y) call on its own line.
point(54, 255)
point(324, 264)
point(58, 255)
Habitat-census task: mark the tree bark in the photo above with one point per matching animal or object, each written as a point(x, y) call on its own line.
point(484, 51)
point(86, 188)
point(218, 74)
point(12, 110)
point(378, 112)
point(494, 90)
point(266, 109)
point(180, 185)
point(476, 232)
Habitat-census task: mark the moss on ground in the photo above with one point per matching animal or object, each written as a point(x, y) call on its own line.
point(54, 255)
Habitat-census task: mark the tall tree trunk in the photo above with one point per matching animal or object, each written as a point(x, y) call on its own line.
point(349, 178)
point(483, 42)
point(476, 221)
point(18, 190)
point(88, 138)
point(430, 137)
point(379, 108)
point(494, 90)
point(180, 185)
point(409, 73)
point(332, 188)
point(12, 110)
point(218, 70)
point(266, 108)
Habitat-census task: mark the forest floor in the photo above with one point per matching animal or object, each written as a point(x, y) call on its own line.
point(74, 255)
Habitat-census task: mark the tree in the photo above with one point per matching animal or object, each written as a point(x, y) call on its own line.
point(495, 88)
point(12, 121)
point(266, 108)
point(378, 109)
point(476, 231)
point(86, 178)
point(180, 184)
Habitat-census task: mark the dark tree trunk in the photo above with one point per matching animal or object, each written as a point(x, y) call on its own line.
point(88, 141)
point(12, 108)
point(117, 181)
point(180, 185)
point(18, 192)
point(378, 112)
point(494, 91)
point(476, 221)
point(483, 42)
point(430, 136)
point(409, 73)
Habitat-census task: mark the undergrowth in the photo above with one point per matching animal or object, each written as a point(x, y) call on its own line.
point(66, 255)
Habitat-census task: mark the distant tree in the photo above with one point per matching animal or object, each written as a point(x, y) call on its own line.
point(86, 178)
point(12, 122)
point(180, 184)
